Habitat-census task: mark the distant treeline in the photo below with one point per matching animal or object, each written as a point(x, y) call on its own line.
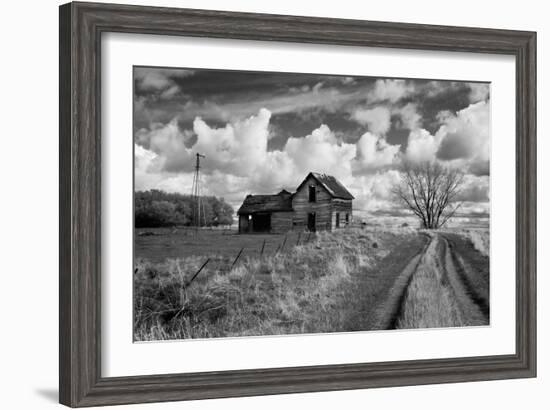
point(157, 208)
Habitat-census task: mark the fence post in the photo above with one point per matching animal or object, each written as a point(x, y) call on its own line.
point(237, 258)
point(197, 273)
point(283, 245)
point(263, 246)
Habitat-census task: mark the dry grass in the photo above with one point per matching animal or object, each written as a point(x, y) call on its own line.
point(336, 282)
point(308, 289)
point(472, 267)
point(445, 291)
point(480, 240)
point(479, 237)
point(429, 300)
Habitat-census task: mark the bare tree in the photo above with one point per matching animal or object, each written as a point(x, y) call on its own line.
point(430, 190)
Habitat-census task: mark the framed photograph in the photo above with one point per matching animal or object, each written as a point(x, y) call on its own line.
point(261, 204)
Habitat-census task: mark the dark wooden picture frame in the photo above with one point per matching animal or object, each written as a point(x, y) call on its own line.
point(81, 27)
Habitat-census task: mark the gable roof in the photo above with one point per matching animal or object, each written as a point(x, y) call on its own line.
point(331, 184)
point(281, 202)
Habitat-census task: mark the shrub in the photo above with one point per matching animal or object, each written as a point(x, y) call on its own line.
point(157, 208)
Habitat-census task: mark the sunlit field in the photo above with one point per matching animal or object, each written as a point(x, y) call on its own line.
point(216, 283)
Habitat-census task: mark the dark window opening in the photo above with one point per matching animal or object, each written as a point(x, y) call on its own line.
point(337, 219)
point(347, 219)
point(312, 194)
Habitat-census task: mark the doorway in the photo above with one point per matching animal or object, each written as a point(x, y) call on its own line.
point(261, 222)
point(311, 221)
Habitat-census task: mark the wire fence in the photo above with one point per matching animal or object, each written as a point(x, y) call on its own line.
point(300, 241)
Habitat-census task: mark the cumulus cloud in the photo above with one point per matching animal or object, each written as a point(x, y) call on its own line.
point(321, 151)
point(144, 159)
point(422, 146)
point(478, 167)
point(168, 142)
point(466, 134)
point(373, 192)
point(479, 92)
point(238, 148)
point(475, 189)
point(462, 140)
point(409, 116)
point(389, 90)
point(237, 160)
point(373, 152)
point(377, 119)
point(147, 169)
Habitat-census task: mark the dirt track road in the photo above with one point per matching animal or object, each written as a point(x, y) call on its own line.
point(446, 284)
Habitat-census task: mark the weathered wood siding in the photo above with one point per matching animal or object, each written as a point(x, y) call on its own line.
point(244, 225)
point(322, 207)
point(342, 207)
point(281, 222)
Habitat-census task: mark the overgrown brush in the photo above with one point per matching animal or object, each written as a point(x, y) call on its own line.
point(480, 238)
point(304, 290)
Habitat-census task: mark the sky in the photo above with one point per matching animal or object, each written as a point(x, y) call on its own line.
point(263, 131)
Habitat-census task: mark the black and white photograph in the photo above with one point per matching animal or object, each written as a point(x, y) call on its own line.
point(271, 203)
point(275, 205)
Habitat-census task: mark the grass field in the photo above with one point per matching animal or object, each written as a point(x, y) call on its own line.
point(445, 290)
point(349, 280)
point(160, 244)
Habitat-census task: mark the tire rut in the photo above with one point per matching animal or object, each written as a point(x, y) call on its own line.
point(388, 314)
point(472, 313)
point(469, 307)
point(465, 273)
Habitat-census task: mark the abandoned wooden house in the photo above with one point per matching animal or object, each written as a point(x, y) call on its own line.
point(320, 202)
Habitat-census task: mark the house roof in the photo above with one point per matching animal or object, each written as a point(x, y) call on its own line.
point(282, 202)
point(331, 184)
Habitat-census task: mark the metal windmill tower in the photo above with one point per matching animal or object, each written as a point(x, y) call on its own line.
point(196, 192)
